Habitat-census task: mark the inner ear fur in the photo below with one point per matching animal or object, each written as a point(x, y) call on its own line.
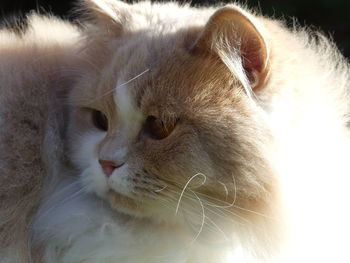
point(230, 29)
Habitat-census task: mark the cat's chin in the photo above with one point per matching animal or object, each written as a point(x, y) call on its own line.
point(124, 204)
point(141, 210)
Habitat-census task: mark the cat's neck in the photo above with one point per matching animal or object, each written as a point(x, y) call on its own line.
point(75, 227)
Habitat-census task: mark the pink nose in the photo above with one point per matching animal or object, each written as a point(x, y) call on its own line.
point(108, 166)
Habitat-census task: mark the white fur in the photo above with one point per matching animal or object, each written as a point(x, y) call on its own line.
point(76, 227)
point(119, 181)
point(127, 112)
point(86, 156)
point(313, 160)
point(124, 102)
point(120, 154)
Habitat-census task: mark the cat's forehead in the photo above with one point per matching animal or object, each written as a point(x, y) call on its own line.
point(160, 76)
point(128, 114)
point(166, 68)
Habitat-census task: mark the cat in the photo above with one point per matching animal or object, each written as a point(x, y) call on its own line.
point(33, 70)
point(186, 135)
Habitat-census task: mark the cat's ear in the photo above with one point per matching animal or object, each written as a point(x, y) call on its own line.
point(231, 30)
point(111, 15)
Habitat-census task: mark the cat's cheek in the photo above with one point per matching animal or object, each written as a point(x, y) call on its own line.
point(94, 180)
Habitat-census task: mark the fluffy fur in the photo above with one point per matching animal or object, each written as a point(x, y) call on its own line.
point(254, 167)
point(32, 67)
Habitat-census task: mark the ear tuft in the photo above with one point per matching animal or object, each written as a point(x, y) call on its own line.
point(111, 15)
point(230, 29)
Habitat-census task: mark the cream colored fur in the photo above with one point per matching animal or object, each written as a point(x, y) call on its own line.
point(255, 170)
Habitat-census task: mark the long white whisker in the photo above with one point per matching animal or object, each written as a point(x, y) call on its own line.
point(123, 84)
point(221, 212)
point(80, 191)
point(234, 197)
point(225, 187)
point(254, 212)
point(224, 214)
point(203, 219)
point(231, 205)
point(234, 189)
point(185, 209)
point(226, 204)
point(186, 185)
point(218, 228)
point(159, 190)
point(132, 79)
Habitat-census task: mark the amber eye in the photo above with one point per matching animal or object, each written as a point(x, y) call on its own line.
point(99, 120)
point(156, 128)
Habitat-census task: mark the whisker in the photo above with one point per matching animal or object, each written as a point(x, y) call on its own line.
point(166, 203)
point(225, 203)
point(123, 84)
point(186, 211)
point(255, 212)
point(203, 219)
point(132, 79)
point(234, 197)
point(225, 187)
point(73, 195)
point(208, 203)
point(218, 228)
point(221, 213)
point(234, 189)
point(225, 214)
point(157, 191)
point(186, 185)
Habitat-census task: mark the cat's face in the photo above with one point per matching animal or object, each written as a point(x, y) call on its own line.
point(165, 132)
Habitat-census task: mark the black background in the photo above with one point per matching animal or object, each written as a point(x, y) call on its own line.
point(329, 16)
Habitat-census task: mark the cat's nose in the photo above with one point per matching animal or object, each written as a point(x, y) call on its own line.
point(109, 166)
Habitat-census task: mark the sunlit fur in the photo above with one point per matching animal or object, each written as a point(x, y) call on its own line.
point(255, 169)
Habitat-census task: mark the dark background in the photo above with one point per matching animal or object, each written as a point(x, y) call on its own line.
point(329, 16)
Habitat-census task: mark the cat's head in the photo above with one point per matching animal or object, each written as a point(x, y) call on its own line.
point(165, 124)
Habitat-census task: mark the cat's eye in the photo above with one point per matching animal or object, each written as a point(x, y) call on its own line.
point(156, 129)
point(99, 120)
